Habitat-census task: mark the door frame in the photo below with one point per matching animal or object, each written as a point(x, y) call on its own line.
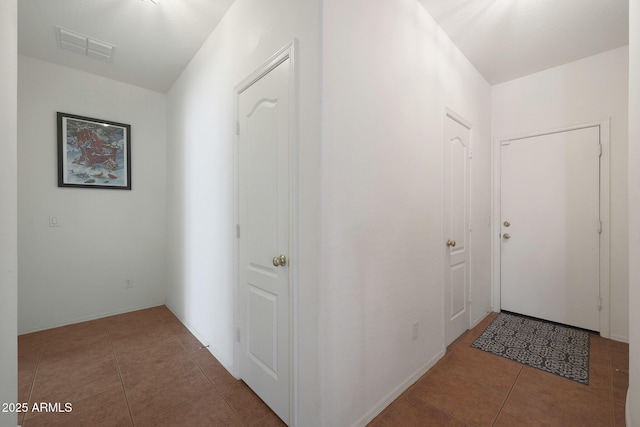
point(286, 52)
point(451, 114)
point(604, 280)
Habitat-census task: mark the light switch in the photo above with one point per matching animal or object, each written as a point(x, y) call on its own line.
point(53, 221)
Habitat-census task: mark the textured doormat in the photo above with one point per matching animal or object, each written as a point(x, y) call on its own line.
point(558, 349)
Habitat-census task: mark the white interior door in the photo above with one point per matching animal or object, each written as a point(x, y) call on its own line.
point(456, 228)
point(550, 225)
point(264, 229)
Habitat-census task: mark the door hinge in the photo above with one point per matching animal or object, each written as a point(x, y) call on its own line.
point(470, 227)
point(599, 150)
point(599, 227)
point(238, 334)
point(238, 231)
point(237, 128)
point(599, 303)
point(470, 154)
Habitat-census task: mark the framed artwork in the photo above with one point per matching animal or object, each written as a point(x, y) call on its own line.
point(93, 153)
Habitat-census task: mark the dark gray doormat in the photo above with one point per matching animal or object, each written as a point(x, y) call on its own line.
point(558, 349)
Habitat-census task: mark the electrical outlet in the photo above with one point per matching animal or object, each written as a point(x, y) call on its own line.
point(414, 330)
point(128, 283)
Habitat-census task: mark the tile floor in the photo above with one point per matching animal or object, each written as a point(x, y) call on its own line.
point(145, 368)
point(470, 387)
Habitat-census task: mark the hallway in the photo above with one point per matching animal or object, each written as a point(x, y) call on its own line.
point(145, 368)
point(469, 387)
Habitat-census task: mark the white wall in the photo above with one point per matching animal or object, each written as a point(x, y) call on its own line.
point(388, 74)
point(200, 221)
point(8, 211)
point(633, 396)
point(585, 91)
point(76, 271)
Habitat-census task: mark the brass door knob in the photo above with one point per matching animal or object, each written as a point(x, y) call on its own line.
point(280, 261)
point(451, 243)
point(506, 236)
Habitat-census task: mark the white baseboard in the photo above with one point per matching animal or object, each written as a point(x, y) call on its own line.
point(483, 316)
point(396, 392)
point(88, 318)
point(619, 338)
point(228, 366)
point(627, 411)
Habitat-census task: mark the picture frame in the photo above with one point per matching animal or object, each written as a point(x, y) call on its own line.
point(93, 153)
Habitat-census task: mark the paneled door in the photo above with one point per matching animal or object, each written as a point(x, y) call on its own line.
point(264, 146)
point(456, 227)
point(550, 227)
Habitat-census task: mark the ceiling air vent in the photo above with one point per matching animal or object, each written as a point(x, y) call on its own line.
point(79, 43)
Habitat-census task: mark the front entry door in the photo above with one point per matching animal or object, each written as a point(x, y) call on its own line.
point(456, 228)
point(264, 141)
point(550, 225)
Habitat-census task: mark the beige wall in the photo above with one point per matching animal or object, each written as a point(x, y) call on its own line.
point(389, 72)
point(76, 271)
point(8, 212)
point(633, 396)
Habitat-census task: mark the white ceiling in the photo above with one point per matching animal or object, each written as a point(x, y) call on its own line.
point(504, 39)
point(507, 39)
point(153, 42)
